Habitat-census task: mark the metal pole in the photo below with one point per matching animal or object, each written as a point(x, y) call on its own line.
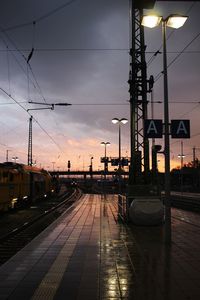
point(133, 98)
point(181, 166)
point(194, 157)
point(119, 145)
point(119, 195)
point(7, 155)
point(181, 155)
point(167, 143)
point(105, 163)
point(119, 200)
point(30, 146)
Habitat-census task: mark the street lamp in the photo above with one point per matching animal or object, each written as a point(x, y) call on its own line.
point(119, 121)
point(7, 154)
point(53, 163)
point(174, 21)
point(15, 158)
point(181, 156)
point(90, 166)
point(105, 144)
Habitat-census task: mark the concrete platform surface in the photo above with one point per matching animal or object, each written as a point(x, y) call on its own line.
point(88, 254)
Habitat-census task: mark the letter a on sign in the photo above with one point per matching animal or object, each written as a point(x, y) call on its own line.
point(180, 129)
point(153, 128)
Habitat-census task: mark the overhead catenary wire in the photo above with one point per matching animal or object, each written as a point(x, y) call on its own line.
point(39, 19)
point(92, 49)
point(109, 104)
point(99, 103)
point(17, 60)
point(44, 130)
point(158, 76)
point(168, 37)
point(35, 84)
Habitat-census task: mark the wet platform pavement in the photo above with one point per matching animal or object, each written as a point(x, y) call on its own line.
point(88, 254)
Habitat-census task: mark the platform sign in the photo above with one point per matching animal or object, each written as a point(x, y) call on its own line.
point(104, 159)
point(124, 161)
point(153, 128)
point(114, 161)
point(180, 129)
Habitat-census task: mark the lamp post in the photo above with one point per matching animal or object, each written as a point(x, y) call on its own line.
point(105, 144)
point(90, 166)
point(119, 121)
point(181, 156)
point(15, 158)
point(7, 154)
point(30, 136)
point(53, 163)
point(174, 21)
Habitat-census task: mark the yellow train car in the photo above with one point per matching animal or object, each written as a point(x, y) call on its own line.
point(20, 183)
point(40, 182)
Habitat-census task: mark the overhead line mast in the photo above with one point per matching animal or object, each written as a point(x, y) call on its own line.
point(139, 86)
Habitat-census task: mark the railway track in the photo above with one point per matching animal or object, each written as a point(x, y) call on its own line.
point(188, 217)
point(190, 202)
point(19, 237)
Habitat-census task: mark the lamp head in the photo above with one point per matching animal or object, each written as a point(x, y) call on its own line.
point(124, 121)
point(115, 120)
point(176, 21)
point(181, 156)
point(151, 21)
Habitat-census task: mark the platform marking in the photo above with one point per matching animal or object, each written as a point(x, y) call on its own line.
point(51, 282)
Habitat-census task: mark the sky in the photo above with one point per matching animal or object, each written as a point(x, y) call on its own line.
point(81, 57)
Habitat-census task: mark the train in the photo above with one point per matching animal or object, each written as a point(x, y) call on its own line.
point(20, 184)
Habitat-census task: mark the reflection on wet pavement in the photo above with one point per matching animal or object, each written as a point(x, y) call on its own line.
point(136, 264)
point(89, 255)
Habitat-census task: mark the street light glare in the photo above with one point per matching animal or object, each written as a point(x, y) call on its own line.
point(151, 21)
point(176, 21)
point(115, 121)
point(105, 143)
point(181, 156)
point(124, 121)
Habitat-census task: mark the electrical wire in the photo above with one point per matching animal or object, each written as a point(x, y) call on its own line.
point(168, 37)
point(39, 19)
point(115, 103)
point(158, 76)
point(92, 49)
point(8, 64)
point(26, 72)
point(16, 59)
point(44, 130)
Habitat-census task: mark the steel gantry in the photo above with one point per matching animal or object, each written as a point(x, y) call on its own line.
point(138, 88)
point(30, 144)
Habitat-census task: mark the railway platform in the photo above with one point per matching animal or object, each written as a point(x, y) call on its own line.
point(88, 254)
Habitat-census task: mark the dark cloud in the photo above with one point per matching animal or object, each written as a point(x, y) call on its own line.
point(80, 71)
